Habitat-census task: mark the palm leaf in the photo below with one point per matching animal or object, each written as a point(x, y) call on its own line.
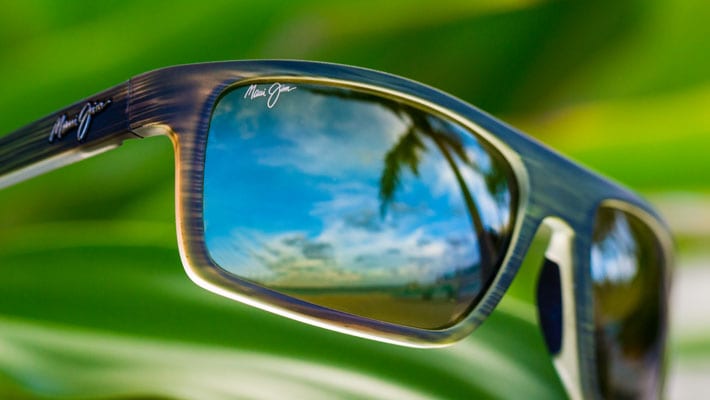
point(407, 152)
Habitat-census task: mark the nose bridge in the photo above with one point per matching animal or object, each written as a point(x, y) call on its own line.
point(556, 300)
point(563, 190)
point(564, 196)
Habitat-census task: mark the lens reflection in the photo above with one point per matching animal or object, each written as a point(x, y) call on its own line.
point(354, 202)
point(627, 267)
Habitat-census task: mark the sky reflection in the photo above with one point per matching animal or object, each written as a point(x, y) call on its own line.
point(615, 257)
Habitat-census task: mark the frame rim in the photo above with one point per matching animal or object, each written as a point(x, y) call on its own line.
point(213, 278)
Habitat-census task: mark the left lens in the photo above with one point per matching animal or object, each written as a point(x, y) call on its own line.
point(628, 268)
point(355, 201)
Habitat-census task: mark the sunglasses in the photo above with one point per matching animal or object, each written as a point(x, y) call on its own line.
point(379, 207)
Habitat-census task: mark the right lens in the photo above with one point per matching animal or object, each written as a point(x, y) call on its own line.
point(355, 201)
point(628, 270)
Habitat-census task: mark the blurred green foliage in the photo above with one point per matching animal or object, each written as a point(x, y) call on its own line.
point(93, 301)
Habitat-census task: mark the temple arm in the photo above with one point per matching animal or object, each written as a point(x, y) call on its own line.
point(82, 130)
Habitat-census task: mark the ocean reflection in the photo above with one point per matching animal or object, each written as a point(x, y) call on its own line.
point(355, 202)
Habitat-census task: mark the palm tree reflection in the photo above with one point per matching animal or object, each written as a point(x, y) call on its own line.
point(409, 151)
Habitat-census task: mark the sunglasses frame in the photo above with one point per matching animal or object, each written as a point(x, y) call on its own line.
point(179, 101)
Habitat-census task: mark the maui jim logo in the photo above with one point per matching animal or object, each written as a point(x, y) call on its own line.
point(272, 94)
point(81, 121)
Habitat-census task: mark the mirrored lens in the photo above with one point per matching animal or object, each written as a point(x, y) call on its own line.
point(628, 271)
point(355, 202)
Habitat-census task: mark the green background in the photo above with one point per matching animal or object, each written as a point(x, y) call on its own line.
point(93, 299)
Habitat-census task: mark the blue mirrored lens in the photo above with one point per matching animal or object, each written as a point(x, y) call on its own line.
point(355, 201)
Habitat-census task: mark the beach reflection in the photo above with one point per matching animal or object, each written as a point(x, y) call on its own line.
point(354, 202)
